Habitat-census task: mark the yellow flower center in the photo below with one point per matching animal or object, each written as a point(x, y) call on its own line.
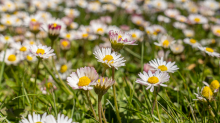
point(65, 43)
point(49, 85)
point(213, 41)
point(166, 43)
point(8, 22)
point(84, 81)
point(197, 20)
point(68, 35)
point(177, 48)
point(108, 58)
point(7, 37)
point(38, 122)
point(100, 30)
point(11, 58)
point(153, 80)
point(99, 80)
point(33, 20)
point(214, 85)
point(119, 36)
point(209, 50)
point(29, 58)
point(31, 42)
point(218, 31)
point(23, 49)
point(41, 51)
point(85, 35)
point(54, 25)
point(207, 92)
point(193, 41)
point(138, 22)
point(63, 68)
point(134, 35)
point(162, 68)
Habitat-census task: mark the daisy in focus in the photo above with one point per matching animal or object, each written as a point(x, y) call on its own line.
point(165, 41)
point(83, 78)
point(209, 51)
point(163, 66)
point(153, 79)
point(41, 51)
point(108, 58)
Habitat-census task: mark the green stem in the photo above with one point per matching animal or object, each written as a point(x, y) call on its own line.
point(115, 99)
point(90, 104)
point(103, 115)
point(54, 101)
point(35, 84)
point(155, 100)
point(206, 60)
point(158, 113)
point(3, 64)
point(100, 108)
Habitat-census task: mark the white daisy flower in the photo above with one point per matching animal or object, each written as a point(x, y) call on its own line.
point(108, 58)
point(98, 27)
point(171, 13)
point(69, 35)
point(197, 19)
point(163, 66)
point(199, 96)
point(64, 68)
point(35, 118)
point(216, 30)
point(164, 41)
point(10, 57)
point(188, 33)
point(209, 51)
point(6, 39)
point(191, 42)
point(153, 79)
point(121, 37)
point(177, 48)
point(83, 78)
point(61, 118)
point(41, 51)
point(136, 34)
point(30, 58)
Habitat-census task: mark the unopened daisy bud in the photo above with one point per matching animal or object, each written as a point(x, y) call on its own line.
point(34, 27)
point(214, 86)
point(102, 86)
point(118, 39)
point(207, 92)
point(65, 44)
point(53, 30)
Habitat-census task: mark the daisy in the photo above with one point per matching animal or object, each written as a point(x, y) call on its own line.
point(83, 78)
point(188, 33)
point(181, 18)
point(41, 51)
point(214, 85)
point(108, 58)
point(81, 3)
point(197, 19)
point(177, 48)
point(6, 39)
point(209, 51)
point(98, 27)
point(103, 84)
point(216, 30)
point(10, 57)
point(136, 34)
point(65, 44)
point(31, 58)
point(35, 118)
point(69, 35)
point(72, 13)
point(191, 42)
point(165, 41)
point(64, 68)
point(172, 13)
point(153, 79)
point(119, 37)
point(138, 20)
point(163, 66)
point(205, 93)
point(61, 118)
